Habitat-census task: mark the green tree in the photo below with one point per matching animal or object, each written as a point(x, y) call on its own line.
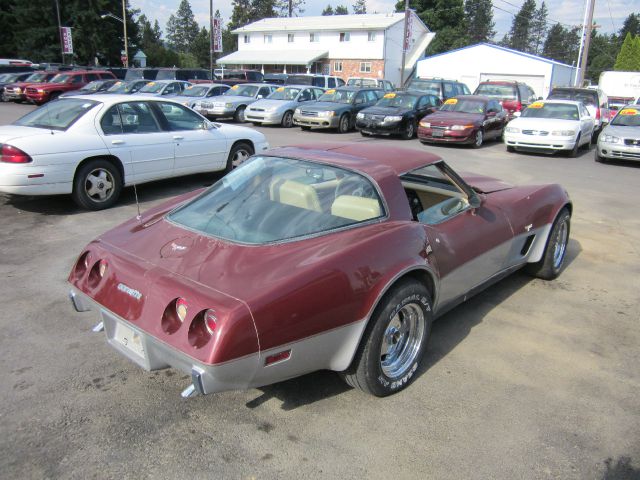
point(341, 10)
point(562, 44)
point(626, 60)
point(538, 29)
point(200, 48)
point(602, 55)
point(520, 33)
point(631, 25)
point(182, 28)
point(360, 7)
point(328, 10)
point(289, 8)
point(478, 18)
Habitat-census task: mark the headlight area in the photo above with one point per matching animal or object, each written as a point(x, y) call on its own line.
point(460, 127)
point(563, 133)
point(392, 119)
point(512, 130)
point(327, 114)
point(610, 139)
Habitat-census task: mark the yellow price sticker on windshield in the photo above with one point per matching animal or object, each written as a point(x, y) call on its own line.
point(330, 91)
point(389, 95)
point(536, 105)
point(118, 83)
point(280, 89)
point(235, 87)
point(451, 101)
point(629, 111)
point(151, 84)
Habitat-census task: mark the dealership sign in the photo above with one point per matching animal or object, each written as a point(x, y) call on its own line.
point(67, 41)
point(408, 28)
point(217, 35)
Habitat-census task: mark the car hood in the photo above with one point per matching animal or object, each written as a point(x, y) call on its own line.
point(386, 110)
point(275, 104)
point(454, 118)
point(484, 184)
point(325, 106)
point(13, 132)
point(622, 131)
point(546, 124)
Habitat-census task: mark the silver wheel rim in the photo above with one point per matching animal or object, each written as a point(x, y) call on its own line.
point(288, 119)
point(344, 124)
point(560, 246)
point(99, 185)
point(239, 157)
point(241, 115)
point(478, 138)
point(402, 340)
point(410, 130)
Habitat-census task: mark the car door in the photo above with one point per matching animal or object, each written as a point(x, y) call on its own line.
point(134, 134)
point(587, 124)
point(197, 146)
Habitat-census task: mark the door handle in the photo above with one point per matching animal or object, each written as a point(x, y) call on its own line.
point(117, 142)
point(178, 137)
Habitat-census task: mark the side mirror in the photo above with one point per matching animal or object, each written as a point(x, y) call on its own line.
point(260, 96)
point(475, 201)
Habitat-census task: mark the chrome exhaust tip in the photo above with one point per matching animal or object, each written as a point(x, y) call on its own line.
point(189, 392)
point(98, 328)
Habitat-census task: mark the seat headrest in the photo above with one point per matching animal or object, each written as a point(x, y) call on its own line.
point(356, 208)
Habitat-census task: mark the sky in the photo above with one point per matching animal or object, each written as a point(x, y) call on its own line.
point(609, 14)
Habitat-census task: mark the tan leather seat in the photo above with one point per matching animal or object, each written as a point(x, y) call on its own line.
point(295, 194)
point(355, 208)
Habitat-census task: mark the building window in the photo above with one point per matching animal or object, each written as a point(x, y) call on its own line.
point(337, 66)
point(313, 37)
point(247, 38)
point(268, 38)
point(290, 37)
point(365, 67)
point(345, 36)
point(371, 37)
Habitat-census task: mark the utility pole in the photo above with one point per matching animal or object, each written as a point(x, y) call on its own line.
point(211, 38)
point(586, 40)
point(60, 31)
point(404, 41)
point(290, 8)
point(126, 43)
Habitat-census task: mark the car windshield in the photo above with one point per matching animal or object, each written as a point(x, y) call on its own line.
point(587, 98)
point(463, 105)
point(4, 76)
point(284, 93)
point(61, 78)
point(337, 96)
point(152, 87)
point(398, 100)
point(58, 115)
point(242, 91)
point(194, 91)
point(504, 92)
point(11, 77)
point(36, 77)
point(627, 117)
point(272, 199)
point(560, 111)
point(426, 86)
point(92, 87)
point(125, 87)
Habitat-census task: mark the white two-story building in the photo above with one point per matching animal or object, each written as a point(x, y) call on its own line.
point(368, 45)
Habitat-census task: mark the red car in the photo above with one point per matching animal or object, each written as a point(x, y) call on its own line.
point(514, 96)
point(64, 82)
point(469, 119)
point(17, 92)
point(324, 256)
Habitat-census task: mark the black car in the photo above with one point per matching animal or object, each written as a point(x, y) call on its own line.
point(439, 87)
point(336, 108)
point(397, 113)
point(97, 86)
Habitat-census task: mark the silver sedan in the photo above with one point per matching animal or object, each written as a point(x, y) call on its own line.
point(620, 140)
point(234, 101)
point(278, 108)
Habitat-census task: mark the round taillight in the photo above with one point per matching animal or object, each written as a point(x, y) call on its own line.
point(210, 321)
point(181, 309)
point(102, 268)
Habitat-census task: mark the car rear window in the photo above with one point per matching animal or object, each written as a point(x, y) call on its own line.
point(426, 86)
point(274, 199)
point(58, 115)
point(588, 98)
point(504, 92)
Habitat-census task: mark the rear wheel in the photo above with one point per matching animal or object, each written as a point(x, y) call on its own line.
point(394, 342)
point(344, 124)
point(238, 155)
point(287, 120)
point(239, 115)
point(552, 261)
point(478, 139)
point(97, 185)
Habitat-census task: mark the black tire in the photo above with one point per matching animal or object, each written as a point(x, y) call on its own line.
point(409, 132)
point(511, 148)
point(238, 155)
point(479, 139)
point(573, 153)
point(54, 96)
point(305, 128)
point(256, 124)
point(238, 116)
point(287, 119)
point(552, 261)
point(344, 124)
point(601, 159)
point(400, 328)
point(364, 134)
point(97, 185)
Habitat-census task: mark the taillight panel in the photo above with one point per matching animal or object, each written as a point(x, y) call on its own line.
point(10, 154)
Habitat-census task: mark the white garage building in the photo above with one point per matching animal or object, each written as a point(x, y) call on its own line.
point(478, 63)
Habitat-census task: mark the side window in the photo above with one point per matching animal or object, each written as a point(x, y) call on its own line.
point(448, 90)
point(264, 91)
point(181, 118)
point(359, 98)
point(371, 96)
point(76, 79)
point(316, 93)
point(339, 82)
point(131, 117)
point(169, 89)
point(92, 76)
point(317, 81)
point(332, 82)
point(465, 89)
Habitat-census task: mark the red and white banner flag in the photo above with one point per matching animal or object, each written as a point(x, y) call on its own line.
point(217, 35)
point(67, 41)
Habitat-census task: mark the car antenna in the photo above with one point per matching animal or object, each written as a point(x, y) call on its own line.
point(133, 170)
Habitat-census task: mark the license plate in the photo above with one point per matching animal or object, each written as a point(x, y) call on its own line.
point(437, 133)
point(129, 339)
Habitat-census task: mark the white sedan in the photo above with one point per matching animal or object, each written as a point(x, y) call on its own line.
point(93, 147)
point(551, 125)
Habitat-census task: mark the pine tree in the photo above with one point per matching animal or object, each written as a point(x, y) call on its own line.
point(625, 61)
point(538, 29)
point(562, 44)
point(200, 48)
point(360, 7)
point(182, 28)
point(341, 10)
point(478, 17)
point(520, 32)
point(328, 10)
point(290, 8)
point(602, 55)
point(631, 25)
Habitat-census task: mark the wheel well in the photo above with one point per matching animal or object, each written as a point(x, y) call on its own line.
point(423, 277)
point(246, 142)
point(109, 158)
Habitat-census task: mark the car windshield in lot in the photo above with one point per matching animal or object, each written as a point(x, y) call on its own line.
point(426, 86)
point(125, 87)
point(587, 98)
point(559, 111)
point(463, 105)
point(58, 115)
point(152, 87)
point(284, 93)
point(242, 91)
point(60, 78)
point(11, 77)
point(92, 87)
point(506, 92)
point(337, 96)
point(36, 77)
point(627, 117)
point(194, 92)
point(397, 100)
point(272, 199)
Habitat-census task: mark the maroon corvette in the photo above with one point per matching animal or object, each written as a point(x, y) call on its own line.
point(322, 256)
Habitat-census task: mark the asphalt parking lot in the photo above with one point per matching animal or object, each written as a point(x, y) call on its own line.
point(528, 380)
